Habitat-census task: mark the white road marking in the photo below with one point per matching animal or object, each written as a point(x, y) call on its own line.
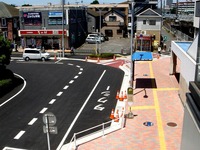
point(71, 81)
point(52, 101)
point(19, 135)
point(75, 119)
point(43, 110)
point(32, 121)
point(81, 69)
point(70, 64)
point(17, 92)
point(108, 88)
point(77, 66)
point(60, 93)
point(12, 148)
point(80, 73)
point(65, 87)
point(75, 77)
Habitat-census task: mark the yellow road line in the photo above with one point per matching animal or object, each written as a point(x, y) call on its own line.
point(142, 107)
point(167, 89)
point(158, 114)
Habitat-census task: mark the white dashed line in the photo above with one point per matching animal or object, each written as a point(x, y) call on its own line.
point(66, 87)
point(71, 81)
point(32, 121)
point(81, 69)
point(75, 77)
point(70, 64)
point(43, 110)
point(52, 101)
point(77, 66)
point(19, 135)
point(60, 93)
point(80, 73)
point(108, 88)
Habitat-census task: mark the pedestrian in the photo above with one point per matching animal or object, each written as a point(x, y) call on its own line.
point(159, 49)
point(72, 50)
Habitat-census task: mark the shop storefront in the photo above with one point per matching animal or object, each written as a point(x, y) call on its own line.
point(144, 43)
point(45, 39)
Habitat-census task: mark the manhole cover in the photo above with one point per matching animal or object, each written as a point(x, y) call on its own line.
point(171, 124)
point(148, 123)
point(145, 74)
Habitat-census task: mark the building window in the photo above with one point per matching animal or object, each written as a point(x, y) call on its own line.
point(112, 18)
point(152, 22)
point(3, 22)
point(144, 22)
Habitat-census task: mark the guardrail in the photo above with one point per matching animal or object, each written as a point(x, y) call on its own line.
point(101, 131)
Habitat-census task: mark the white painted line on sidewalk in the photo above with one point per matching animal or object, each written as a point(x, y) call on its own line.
point(75, 119)
point(43, 110)
point(75, 77)
point(19, 135)
point(108, 88)
point(71, 81)
point(32, 121)
point(80, 73)
point(65, 87)
point(52, 101)
point(60, 93)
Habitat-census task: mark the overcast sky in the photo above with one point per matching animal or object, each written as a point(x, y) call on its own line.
point(45, 2)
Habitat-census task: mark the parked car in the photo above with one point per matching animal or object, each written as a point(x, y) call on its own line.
point(34, 53)
point(95, 34)
point(92, 40)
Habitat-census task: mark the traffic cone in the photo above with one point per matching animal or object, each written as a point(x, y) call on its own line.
point(112, 114)
point(125, 95)
point(158, 56)
point(117, 116)
point(117, 96)
point(121, 97)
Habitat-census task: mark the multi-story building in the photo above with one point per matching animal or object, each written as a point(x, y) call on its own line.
point(52, 26)
point(9, 24)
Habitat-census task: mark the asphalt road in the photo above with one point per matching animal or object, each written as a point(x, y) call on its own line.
point(79, 94)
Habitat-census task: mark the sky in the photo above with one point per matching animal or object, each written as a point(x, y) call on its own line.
point(45, 2)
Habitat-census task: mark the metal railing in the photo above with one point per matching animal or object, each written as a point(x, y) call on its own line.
point(101, 131)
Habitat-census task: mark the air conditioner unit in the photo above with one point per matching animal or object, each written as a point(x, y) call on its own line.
point(44, 28)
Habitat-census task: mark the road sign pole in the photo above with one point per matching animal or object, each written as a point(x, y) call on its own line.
point(47, 127)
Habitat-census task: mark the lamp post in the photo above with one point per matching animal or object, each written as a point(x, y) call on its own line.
point(63, 43)
point(132, 26)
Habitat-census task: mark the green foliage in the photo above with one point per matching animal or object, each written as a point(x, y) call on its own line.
point(5, 51)
point(5, 82)
point(95, 2)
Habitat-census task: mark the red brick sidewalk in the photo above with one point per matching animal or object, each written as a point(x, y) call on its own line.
point(161, 106)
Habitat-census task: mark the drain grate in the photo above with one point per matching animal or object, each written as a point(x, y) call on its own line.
point(171, 124)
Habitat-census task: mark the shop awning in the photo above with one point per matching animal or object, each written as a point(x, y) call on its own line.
point(142, 56)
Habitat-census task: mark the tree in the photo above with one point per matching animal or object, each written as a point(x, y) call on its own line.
point(95, 2)
point(5, 52)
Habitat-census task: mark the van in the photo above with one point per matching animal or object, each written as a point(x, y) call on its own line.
point(97, 35)
point(34, 53)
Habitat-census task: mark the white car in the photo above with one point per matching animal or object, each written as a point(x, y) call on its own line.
point(34, 53)
point(92, 40)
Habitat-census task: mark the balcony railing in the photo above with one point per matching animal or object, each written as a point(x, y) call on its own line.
point(114, 23)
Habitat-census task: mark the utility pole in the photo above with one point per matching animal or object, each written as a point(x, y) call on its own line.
point(63, 41)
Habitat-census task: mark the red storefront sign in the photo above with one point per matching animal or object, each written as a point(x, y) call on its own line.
point(41, 32)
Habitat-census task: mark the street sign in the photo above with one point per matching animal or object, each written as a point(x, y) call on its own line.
point(51, 118)
point(51, 130)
